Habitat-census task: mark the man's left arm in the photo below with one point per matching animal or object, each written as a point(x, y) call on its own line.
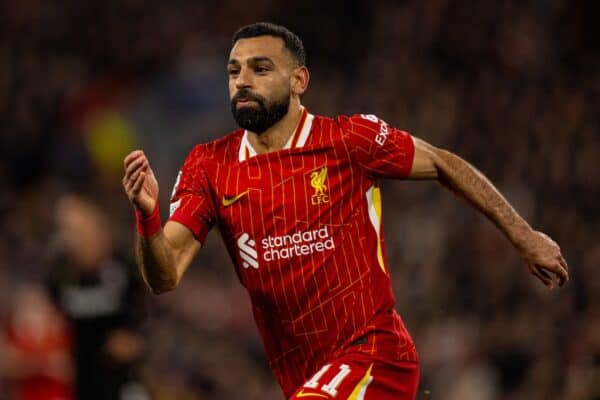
point(542, 254)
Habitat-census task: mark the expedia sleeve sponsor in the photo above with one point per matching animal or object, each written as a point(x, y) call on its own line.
point(379, 148)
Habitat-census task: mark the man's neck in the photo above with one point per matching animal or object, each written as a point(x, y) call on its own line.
point(277, 136)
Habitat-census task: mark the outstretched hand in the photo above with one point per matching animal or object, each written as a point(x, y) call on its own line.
point(544, 259)
point(139, 182)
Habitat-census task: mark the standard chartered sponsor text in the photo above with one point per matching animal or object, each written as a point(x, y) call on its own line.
point(297, 244)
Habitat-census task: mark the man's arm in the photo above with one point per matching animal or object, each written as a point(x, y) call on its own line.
point(163, 258)
point(542, 254)
point(165, 255)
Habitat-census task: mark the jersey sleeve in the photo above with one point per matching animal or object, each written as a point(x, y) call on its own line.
point(384, 151)
point(191, 202)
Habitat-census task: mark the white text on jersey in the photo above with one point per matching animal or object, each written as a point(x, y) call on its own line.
point(297, 244)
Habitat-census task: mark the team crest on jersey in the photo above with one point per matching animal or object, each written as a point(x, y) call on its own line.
point(317, 181)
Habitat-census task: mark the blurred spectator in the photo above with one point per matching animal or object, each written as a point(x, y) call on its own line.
point(99, 294)
point(37, 357)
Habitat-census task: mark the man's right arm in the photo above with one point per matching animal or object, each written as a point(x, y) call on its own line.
point(164, 257)
point(163, 254)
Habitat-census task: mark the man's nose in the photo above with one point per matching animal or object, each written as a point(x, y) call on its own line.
point(244, 79)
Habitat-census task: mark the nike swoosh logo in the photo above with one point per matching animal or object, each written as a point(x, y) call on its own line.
point(229, 201)
point(310, 394)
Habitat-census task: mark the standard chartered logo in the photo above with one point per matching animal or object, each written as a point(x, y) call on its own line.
point(297, 244)
point(284, 247)
point(247, 251)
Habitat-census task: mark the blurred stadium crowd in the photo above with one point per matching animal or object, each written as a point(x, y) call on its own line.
point(512, 86)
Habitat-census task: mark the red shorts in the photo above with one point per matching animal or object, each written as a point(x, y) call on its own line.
point(358, 376)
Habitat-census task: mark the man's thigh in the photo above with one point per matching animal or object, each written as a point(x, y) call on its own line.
point(357, 377)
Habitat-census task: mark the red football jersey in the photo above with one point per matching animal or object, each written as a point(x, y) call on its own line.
point(304, 230)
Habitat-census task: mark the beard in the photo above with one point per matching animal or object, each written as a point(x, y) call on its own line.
point(258, 119)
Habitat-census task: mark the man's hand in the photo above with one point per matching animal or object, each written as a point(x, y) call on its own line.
point(544, 259)
point(139, 182)
point(162, 257)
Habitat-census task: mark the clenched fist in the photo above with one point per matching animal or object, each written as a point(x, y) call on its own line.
point(139, 182)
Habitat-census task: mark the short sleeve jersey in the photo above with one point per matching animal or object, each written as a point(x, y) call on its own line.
point(303, 227)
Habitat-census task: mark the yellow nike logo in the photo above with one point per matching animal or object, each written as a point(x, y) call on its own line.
point(229, 201)
point(310, 394)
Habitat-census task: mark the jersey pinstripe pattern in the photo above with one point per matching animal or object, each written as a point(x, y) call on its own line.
point(311, 222)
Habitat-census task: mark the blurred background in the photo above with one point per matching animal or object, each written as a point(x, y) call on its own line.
point(512, 86)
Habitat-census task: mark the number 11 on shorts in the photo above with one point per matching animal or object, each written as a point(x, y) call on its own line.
point(331, 387)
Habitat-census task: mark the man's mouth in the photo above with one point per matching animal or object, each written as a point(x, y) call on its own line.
point(245, 101)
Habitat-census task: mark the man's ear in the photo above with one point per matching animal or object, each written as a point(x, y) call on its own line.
point(299, 80)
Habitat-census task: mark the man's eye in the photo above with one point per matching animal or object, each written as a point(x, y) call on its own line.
point(233, 72)
point(261, 70)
